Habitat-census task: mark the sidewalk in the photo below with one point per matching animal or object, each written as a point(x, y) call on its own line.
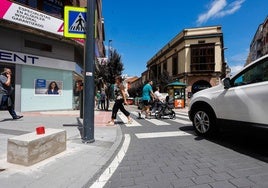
point(72, 168)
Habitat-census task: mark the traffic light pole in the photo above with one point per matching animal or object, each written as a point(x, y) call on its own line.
point(89, 65)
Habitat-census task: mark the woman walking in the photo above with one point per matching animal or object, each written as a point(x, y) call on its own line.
point(120, 99)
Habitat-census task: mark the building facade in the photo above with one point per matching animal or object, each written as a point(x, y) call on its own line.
point(33, 46)
point(194, 57)
point(259, 43)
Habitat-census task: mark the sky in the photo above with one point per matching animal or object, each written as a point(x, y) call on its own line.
point(139, 29)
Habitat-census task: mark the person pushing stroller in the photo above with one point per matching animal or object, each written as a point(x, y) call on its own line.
point(159, 99)
point(166, 109)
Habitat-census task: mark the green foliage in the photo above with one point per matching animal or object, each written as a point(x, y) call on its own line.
point(165, 78)
point(135, 92)
point(113, 68)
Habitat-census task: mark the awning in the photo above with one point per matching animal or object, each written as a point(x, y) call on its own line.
point(176, 83)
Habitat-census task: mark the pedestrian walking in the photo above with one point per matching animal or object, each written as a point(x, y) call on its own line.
point(120, 99)
point(147, 96)
point(102, 99)
point(6, 90)
point(97, 100)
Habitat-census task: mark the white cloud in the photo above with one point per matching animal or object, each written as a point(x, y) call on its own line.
point(237, 62)
point(218, 9)
point(239, 58)
point(236, 68)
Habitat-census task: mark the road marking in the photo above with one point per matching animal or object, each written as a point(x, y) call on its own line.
point(125, 120)
point(152, 120)
point(161, 134)
point(182, 116)
point(158, 122)
point(181, 121)
point(182, 113)
point(107, 174)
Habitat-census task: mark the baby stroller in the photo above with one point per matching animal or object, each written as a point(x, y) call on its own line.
point(166, 109)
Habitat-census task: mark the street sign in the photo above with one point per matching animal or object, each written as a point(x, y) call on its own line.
point(74, 22)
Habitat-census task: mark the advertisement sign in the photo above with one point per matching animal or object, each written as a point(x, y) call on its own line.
point(48, 87)
point(29, 17)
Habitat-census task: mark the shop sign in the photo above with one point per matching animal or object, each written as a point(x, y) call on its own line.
point(13, 57)
point(28, 59)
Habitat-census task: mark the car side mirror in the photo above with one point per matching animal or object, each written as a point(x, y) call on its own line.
point(227, 83)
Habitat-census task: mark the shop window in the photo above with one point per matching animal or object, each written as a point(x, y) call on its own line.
point(38, 46)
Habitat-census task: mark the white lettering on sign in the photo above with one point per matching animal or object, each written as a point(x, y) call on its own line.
point(34, 60)
point(17, 58)
point(33, 18)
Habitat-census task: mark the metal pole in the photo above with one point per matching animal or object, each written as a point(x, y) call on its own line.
point(88, 121)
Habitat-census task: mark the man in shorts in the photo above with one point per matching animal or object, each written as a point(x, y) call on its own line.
point(147, 93)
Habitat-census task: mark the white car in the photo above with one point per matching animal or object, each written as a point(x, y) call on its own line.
point(239, 100)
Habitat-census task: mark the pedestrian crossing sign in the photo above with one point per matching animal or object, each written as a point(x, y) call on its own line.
point(75, 22)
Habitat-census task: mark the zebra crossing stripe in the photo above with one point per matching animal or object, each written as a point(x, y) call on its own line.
point(152, 120)
point(137, 123)
point(182, 116)
point(181, 121)
point(182, 113)
point(161, 134)
point(125, 120)
point(158, 122)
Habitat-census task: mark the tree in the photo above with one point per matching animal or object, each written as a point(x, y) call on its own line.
point(164, 79)
point(105, 74)
point(112, 68)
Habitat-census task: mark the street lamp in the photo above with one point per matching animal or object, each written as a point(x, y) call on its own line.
point(224, 63)
point(228, 71)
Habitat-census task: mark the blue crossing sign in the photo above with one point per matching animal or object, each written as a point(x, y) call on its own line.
point(74, 22)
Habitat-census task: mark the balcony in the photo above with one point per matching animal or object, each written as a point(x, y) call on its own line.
point(202, 67)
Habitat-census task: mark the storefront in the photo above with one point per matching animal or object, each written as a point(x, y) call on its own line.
point(32, 77)
point(33, 46)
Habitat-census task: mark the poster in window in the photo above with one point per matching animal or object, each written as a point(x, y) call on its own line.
point(48, 87)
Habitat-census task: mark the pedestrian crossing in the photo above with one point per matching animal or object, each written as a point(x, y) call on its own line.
point(181, 118)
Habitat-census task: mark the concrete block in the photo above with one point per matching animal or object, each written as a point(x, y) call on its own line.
point(32, 148)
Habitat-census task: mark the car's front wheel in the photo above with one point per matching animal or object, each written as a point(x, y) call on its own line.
point(204, 121)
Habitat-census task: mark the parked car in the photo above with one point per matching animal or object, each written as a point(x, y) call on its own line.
point(239, 100)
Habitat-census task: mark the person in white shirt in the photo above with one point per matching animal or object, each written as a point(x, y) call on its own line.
point(158, 101)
